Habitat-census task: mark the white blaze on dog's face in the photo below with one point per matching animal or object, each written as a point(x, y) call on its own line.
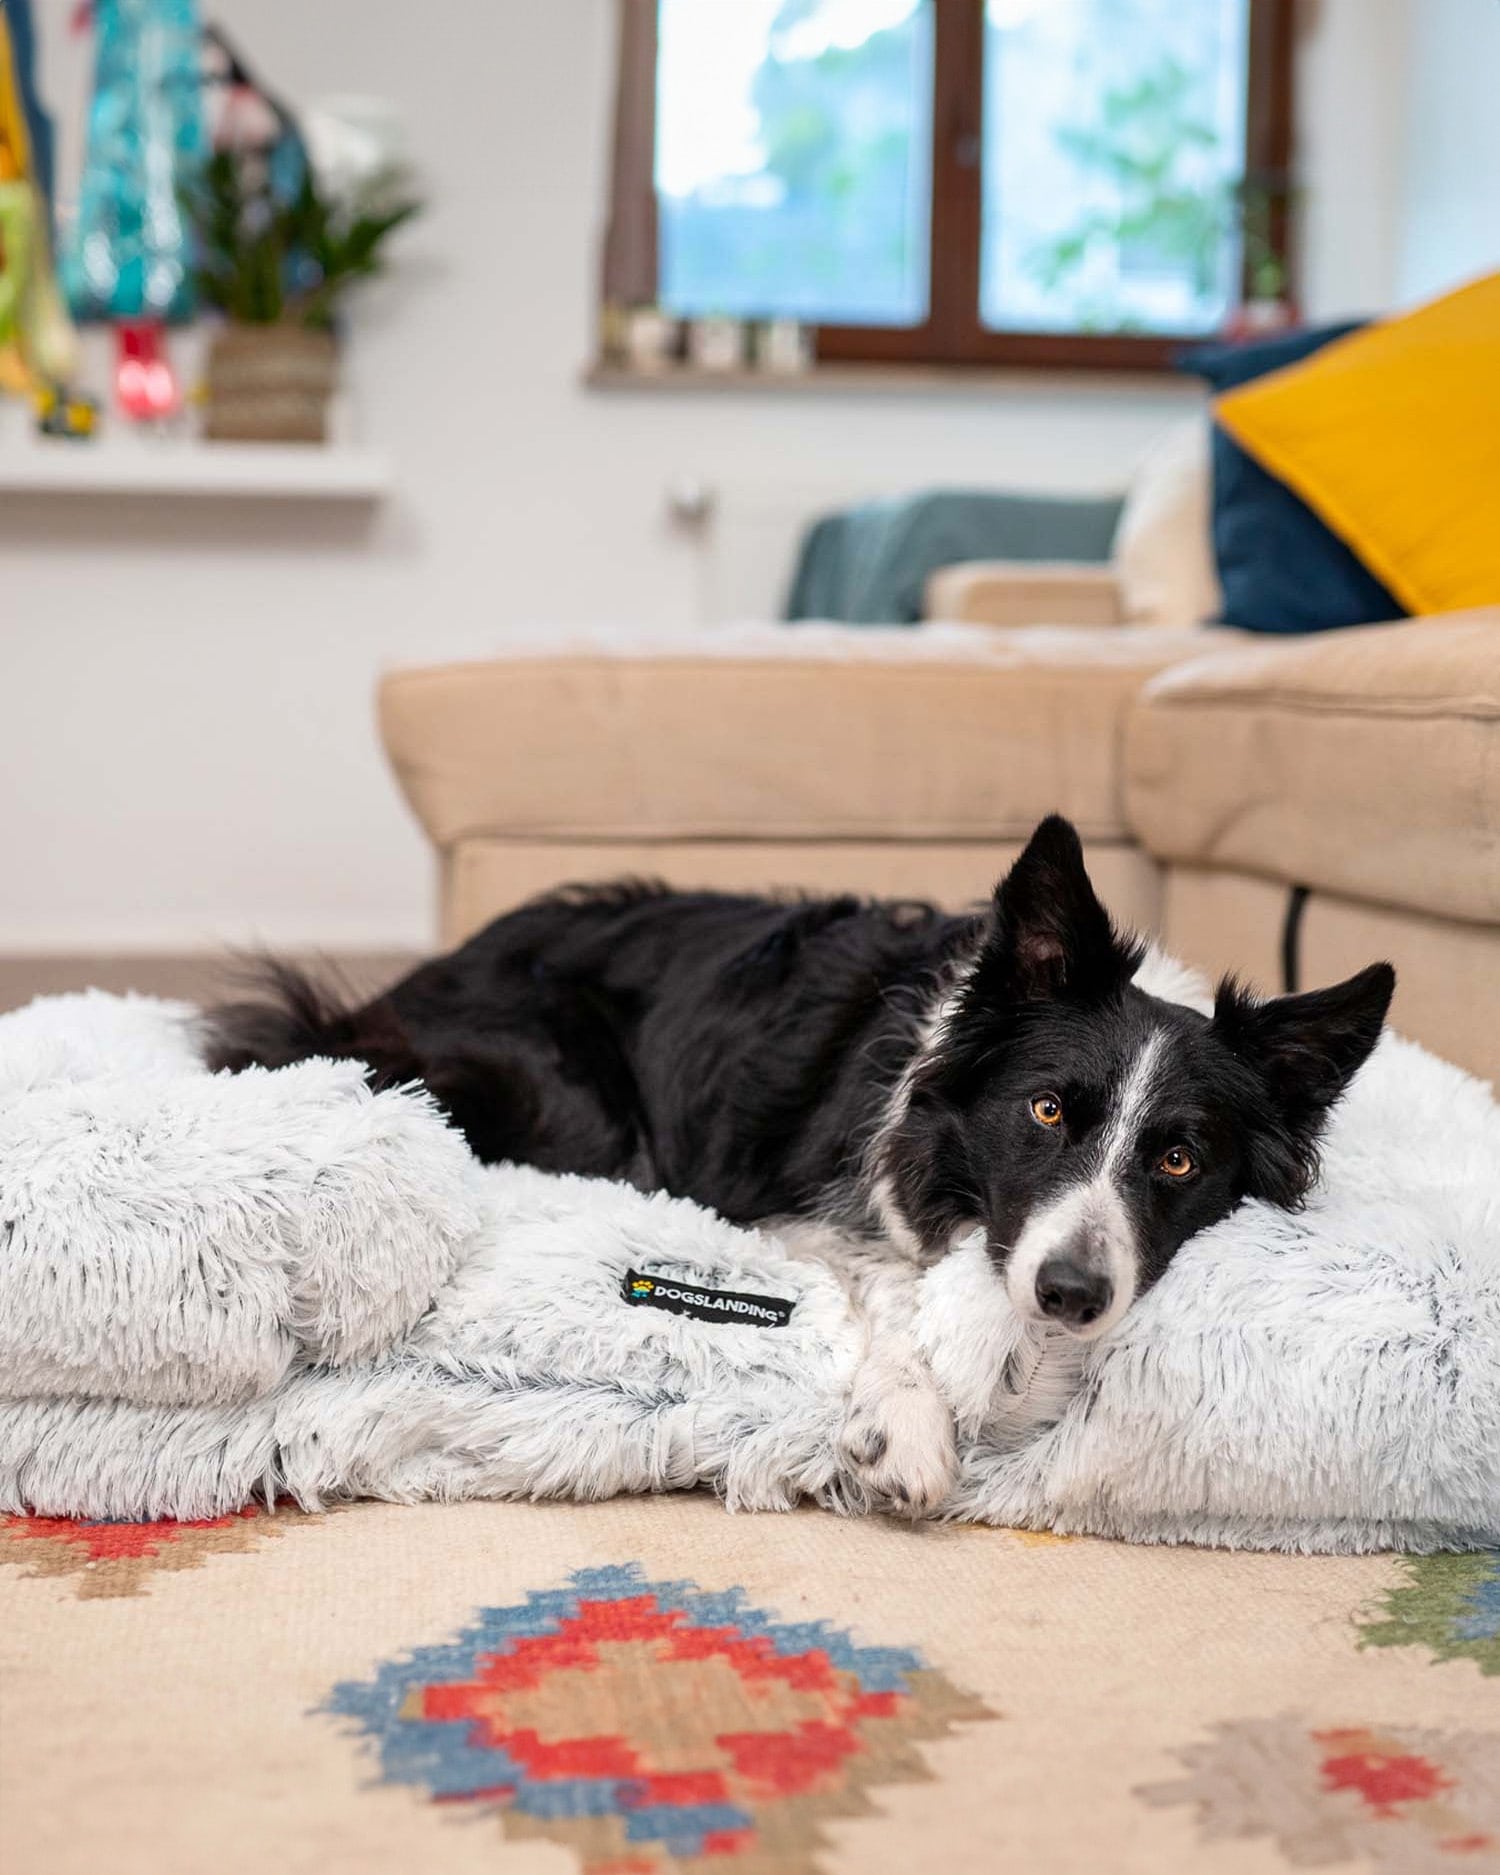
point(1088, 1128)
point(1078, 1256)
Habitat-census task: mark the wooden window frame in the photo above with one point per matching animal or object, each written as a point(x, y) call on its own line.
point(953, 334)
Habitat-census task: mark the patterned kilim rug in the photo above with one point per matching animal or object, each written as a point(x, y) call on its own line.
point(652, 1687)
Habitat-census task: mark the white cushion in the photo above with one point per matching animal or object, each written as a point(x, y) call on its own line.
point(1163, 547)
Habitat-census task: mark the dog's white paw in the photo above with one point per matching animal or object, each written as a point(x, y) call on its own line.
point(899, 1444)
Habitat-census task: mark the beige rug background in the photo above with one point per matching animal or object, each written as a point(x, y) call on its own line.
point(174, 1728)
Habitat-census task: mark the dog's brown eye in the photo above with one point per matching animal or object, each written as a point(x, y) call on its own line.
point(1046, 1110)
point(1177, 1163)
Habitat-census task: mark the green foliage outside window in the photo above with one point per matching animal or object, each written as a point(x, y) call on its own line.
point(1146, 136)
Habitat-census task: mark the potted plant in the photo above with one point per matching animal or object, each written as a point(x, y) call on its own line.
point(277, 263)
point(1264, 203)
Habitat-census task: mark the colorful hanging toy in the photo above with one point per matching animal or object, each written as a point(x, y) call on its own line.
point(130, 258)
point(37, 346)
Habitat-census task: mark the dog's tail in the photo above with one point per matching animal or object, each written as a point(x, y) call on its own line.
point(294, 1015)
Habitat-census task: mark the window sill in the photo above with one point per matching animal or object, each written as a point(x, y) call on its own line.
point(894, 380)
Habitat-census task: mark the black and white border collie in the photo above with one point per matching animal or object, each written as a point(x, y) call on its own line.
point(896, 1080)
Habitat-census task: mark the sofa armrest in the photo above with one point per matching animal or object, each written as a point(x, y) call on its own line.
point(1362, 763)
point(1022, 592)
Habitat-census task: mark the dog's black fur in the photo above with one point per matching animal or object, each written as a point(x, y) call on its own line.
point(772, 1058)
point(730, 1049)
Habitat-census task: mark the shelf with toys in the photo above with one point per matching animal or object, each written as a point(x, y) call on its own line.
point(177, 328)
point(145, 466)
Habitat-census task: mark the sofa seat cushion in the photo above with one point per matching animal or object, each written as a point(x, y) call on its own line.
point(952, 732)
point(1365, 763)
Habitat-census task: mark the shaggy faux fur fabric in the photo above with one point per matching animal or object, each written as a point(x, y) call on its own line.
point(282, 1285)
point(180, 1238)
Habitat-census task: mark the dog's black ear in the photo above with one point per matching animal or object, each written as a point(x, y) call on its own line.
point(1306, 1048)
point(1051, 939)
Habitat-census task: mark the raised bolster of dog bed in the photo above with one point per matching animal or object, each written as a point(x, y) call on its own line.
point(176, 1237)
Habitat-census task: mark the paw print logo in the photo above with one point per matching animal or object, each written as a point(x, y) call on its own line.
point(642, 1286)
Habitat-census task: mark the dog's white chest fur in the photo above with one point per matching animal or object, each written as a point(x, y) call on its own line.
point(995, 1370)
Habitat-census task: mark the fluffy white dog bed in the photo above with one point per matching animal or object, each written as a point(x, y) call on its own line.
point(214, 1288)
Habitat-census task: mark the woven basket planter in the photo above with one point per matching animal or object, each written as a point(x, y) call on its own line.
point(270, 384)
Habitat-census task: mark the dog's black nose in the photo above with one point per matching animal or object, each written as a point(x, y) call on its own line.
point(1072, 1294)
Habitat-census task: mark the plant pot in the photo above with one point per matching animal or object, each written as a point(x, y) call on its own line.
point(270, 384)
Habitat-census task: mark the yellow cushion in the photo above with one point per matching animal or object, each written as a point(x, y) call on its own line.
point(1392, 436)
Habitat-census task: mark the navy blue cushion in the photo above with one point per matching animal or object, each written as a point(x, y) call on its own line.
point(1281, 569)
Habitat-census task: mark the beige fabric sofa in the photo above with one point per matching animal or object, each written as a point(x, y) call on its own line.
point(1287, 808)
point(1329, 800)
point(890, 762)
point(1326, 800)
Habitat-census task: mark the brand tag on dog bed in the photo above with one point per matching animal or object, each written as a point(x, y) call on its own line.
point(708, 1305)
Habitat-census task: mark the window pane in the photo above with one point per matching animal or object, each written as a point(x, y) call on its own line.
point(794, 158)
point(1114, 135)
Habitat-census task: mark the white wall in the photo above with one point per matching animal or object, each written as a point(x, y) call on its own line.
point(1450, 221)
point(186, 749)
point(1350, 133)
